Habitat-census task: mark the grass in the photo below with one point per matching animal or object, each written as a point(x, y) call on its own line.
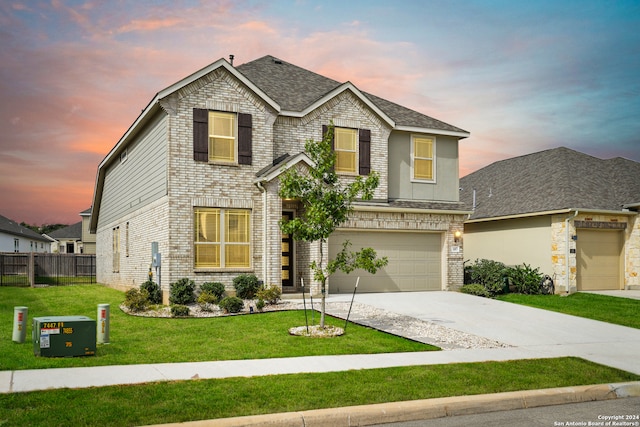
point(163, 340)
point(136, 340)
point(170, 402)
point(620, 311)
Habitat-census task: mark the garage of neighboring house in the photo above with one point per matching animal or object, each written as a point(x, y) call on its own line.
point(599, 259)
point(415, 261)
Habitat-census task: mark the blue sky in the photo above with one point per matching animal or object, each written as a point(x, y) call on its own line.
point(521, 77)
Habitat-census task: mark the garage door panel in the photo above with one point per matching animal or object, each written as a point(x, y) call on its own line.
point(599, 259)
point(414, 262)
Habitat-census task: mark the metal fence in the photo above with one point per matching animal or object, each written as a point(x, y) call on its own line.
point(32, 269)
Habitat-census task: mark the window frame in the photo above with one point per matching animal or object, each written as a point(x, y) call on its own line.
point(223, 244)
point(355, 151)
point(116, 250)
point(432, 159)
point(210, 120)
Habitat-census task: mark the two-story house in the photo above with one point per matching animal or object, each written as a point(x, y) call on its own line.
point(197, 177)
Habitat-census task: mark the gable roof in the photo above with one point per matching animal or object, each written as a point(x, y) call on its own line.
point(73, 231)
point(11, 227)
point(298, 90)
point(551, 180)
point(290, 91)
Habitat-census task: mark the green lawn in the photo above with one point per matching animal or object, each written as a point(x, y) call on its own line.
point(158, 340)
point(169, 402)
point(146, 340)
point(620, 311)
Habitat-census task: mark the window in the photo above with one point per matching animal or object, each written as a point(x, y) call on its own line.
point(351, 146)
point(116, 250)
point(423, 158)
point(345, 143)
point(222, 238)
point(222, 137)
point(16, 245)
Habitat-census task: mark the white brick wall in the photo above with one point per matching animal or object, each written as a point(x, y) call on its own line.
point(198, 184)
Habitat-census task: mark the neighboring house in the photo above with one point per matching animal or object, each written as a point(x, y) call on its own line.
point(572, 215)
point(88, 239)
point(16, 238)
point(197, 176)
point(68, 240)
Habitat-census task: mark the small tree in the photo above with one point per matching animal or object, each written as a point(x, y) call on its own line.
point(327, 203)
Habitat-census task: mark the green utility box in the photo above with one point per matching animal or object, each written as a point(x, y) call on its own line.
point(64, 336)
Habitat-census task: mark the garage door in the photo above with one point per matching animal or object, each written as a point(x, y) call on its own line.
point(598, 260)
point(415, 261)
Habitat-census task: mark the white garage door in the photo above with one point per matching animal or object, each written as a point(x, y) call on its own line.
point(415, 261)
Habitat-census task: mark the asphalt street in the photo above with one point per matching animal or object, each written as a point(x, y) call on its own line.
point(617, 412)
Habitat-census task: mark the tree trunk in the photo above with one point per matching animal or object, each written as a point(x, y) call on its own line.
point(322, 303)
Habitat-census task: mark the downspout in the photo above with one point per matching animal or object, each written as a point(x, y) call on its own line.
point(264, 231)
point(568, 250)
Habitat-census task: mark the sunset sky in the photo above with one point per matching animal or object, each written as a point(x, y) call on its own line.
point(519, 76)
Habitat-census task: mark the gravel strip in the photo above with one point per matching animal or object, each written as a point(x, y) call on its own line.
point(362, 314)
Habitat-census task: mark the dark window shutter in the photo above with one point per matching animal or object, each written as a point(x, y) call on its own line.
point(244, 139)
point(365, 151)
point(200, 135)
point(325, 129)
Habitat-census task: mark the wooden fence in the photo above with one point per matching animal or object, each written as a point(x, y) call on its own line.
point(31, 269)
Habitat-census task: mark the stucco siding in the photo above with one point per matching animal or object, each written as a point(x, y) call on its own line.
point(511, 241)
point(139, 179)
point(446, 184)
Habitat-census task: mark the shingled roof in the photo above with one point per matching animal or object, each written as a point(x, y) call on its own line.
point(295, 89)
point(11, 227)
point(73, 231)
point(550, 180)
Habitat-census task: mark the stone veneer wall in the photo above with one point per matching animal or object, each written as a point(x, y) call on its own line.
point(632, 254)
point(559, 225)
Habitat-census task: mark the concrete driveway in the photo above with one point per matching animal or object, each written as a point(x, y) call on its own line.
point(534, 331)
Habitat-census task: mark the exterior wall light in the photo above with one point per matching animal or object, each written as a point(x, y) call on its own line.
point(456, 236)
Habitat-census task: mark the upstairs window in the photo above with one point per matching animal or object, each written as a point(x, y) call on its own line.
point(222, 137)
point(352, 148)
point(345, 143)
point(222, 238)
point(423, 158)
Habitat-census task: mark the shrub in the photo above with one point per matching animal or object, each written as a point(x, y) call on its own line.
point(206, 298)
point(270, 295)
point(526, 280)
point(178, 310)
point(231, 304)
point(246, 286)
point(260, 304)
point(490, 274)
point(153, 289)
point(475, 289)
point(182, 292)
point(215, 288)
point(136, 299)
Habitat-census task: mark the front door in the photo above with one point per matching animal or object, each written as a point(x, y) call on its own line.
point(287, 256)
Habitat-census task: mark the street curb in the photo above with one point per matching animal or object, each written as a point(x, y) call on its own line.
point(416, 410)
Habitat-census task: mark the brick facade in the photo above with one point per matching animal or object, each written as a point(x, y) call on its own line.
point(192, 184)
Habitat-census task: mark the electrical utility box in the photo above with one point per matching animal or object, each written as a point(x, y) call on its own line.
point(64, 336)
